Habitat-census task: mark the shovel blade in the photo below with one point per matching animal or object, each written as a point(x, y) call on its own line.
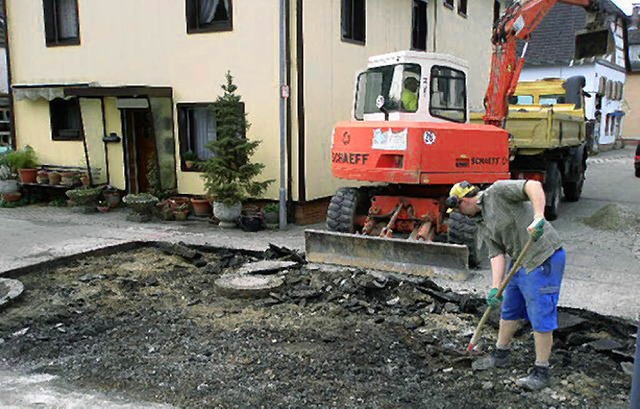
point(422, 258)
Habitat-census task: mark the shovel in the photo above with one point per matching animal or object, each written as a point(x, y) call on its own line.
point(487, 313)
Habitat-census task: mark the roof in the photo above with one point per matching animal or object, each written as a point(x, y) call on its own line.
point(554, 39)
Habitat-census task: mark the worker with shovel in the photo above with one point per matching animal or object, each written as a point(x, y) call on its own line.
point(508, 214)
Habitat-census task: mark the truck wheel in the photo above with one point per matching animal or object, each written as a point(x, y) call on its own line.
point(345, 205)
point(463, 230)
point(573, 190)
point(553, 189)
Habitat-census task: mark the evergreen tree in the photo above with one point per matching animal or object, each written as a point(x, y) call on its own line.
point(229, 174)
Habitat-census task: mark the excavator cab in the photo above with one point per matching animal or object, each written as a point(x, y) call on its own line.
point(412, 86)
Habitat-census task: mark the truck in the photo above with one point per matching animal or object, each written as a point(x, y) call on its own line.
point(547, 129)
point(411, 138)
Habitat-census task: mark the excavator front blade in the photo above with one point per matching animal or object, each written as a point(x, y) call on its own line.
point(423, 258)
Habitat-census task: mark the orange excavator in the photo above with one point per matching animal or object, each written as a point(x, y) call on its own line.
point(411, 137)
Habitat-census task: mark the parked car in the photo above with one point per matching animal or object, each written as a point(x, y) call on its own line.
point(637, 161)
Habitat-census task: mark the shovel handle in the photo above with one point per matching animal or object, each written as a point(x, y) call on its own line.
point(505, 282)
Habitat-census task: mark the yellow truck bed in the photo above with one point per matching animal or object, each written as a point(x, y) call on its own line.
point(539, 120)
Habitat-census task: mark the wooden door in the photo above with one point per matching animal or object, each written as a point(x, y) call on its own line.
point(140, 148)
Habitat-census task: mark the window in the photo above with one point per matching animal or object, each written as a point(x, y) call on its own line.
point(553, 99)
point(449, 3)
point(61, 24)
point(398, 85)
point(66, 121)
point(197, 127)
point(354, 21)
point(462, 7)
point(521, 100)
point(448, 94)
point(419, 29)
point(209, 15)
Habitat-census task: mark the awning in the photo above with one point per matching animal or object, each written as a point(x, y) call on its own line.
point(45, 91)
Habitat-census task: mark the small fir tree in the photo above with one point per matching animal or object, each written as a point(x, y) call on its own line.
point(229, 174)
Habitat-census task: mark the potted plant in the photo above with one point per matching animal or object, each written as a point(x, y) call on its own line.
point(271, 213)
point(164, 210)
point(111, 196)
point(11, 197)
point(181, 213)
point(103, 206)
point(229, 175)
point(142, 205)
point(85, 198)
point(24, 162)
point(54, 178)
point(42, 177)
point(190, 159)
point(8, 182)
point(85, 180)
point(175, 201)
point(67, 178)
point(201, 206)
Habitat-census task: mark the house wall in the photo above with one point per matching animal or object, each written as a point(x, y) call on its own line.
point(331, 65)
point(4, 79)
point(592, 74)
point(125, 42)
point(631, 129)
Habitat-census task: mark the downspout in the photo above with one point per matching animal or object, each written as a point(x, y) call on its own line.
point(435, 26)
point(284, 95)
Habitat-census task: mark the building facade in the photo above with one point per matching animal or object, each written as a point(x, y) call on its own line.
point(125, 85)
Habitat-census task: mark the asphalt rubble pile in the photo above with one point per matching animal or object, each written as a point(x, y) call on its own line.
point(149, 323)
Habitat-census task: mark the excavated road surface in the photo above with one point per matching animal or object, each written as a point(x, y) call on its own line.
point(147, 324)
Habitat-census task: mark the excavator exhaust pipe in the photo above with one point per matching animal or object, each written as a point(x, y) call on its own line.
point(421, 258)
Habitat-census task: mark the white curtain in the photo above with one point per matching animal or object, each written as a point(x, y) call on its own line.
point(208, 10)
point(204, 127)
point(67, 19)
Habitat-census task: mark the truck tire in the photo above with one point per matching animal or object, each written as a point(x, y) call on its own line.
point(573, 190)
point(463, 230)
point(553, 189)
point(344, 207)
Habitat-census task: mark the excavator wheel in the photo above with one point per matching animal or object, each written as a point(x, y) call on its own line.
point(573, 190)
point(463, 230)
point(345, 206)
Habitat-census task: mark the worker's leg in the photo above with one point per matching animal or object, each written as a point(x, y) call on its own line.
point(541, 290)
point(505, 334)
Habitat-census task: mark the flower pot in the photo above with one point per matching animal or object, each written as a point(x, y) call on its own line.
point(142, 206)
point(228, 215)
point(201, 207)
point(85, 180)
point(181, 216)
point(11, 197)
point(189, 164)
point(28, 175)
point(67, 178)
point(103, 209)
point(54, 178)
point(113, 198)
point(175, 202)
point(42, 177)
point(9, 186)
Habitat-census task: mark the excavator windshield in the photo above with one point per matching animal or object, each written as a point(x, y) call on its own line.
point(398, 85)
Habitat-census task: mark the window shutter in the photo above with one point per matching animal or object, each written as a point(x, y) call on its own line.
point(192, 15)
point(49, 21)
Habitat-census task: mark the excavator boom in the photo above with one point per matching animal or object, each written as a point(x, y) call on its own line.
point(517, 23)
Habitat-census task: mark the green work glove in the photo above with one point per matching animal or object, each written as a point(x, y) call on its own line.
point(492, 300)
point(536, 228)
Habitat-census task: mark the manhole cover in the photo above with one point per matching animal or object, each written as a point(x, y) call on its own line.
point(247, 286)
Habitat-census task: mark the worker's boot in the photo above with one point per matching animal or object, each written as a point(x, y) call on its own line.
point(537, 379)
point(498, 358)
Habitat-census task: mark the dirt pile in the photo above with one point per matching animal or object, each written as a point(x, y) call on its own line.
point(149, 324)
point(614, 217)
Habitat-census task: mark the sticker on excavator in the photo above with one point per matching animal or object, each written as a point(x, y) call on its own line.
point(389, 140)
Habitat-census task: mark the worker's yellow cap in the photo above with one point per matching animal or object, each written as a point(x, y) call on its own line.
point(457, 192)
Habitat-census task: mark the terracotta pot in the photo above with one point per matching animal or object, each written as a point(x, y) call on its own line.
point(67, 178)
point(43, 177)
point(176, 201)
point(54, 178)
point(85, 180)
point(189, 164)
point(201, 207)
point(11, 197)
point(28, 175)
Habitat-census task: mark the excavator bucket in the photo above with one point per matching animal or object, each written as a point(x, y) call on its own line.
point(422, 258)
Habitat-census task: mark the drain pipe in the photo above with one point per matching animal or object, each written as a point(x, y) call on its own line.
point(635, 388)
point(284, 94)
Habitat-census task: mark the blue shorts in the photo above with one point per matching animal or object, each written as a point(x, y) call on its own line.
point(534, 296)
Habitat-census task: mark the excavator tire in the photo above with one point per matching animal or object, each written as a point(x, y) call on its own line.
point(463, 230)
point(343, 209)
point(553, 191)
point(573, 190)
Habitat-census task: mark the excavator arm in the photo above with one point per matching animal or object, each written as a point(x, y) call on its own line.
point(517, 23)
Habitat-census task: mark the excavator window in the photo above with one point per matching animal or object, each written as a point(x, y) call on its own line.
point(552, 99)
point(448, 94)
point(398, 84)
